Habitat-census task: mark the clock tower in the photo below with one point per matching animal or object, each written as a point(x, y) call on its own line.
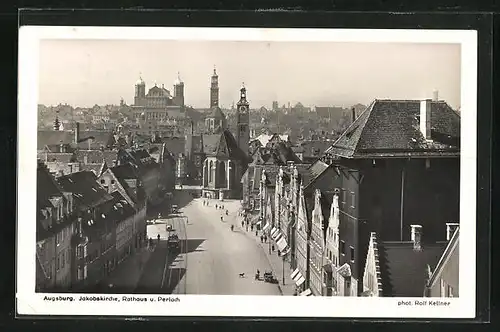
point(243, 121)
point(214, 90)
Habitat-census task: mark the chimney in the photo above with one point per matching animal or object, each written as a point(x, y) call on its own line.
point(353, 112)
point(425, 118)
point(77, 132)
point(435, 95)
point(416, 236)
point(450, 229)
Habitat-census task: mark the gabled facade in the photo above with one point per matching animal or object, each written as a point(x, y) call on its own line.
point(301, 274)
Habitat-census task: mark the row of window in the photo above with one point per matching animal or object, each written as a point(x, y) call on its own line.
point(63, 258)
point(343, 251)
point(348, 198)
point(64, 234)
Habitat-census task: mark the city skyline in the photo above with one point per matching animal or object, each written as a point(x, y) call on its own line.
point(104, 71)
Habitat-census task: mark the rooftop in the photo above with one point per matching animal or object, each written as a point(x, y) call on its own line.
point(391, 128)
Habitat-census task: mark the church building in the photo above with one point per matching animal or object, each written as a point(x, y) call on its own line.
point(226, 154)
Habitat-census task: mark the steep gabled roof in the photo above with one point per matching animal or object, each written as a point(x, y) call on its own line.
point(391, 128)
point(216, 113)
point(404, 270)
point(86, 191)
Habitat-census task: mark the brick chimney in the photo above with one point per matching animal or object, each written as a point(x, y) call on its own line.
point(425, 118)
point(77, 132)
point(450, 229)
point(435, 95)
point(416, 236)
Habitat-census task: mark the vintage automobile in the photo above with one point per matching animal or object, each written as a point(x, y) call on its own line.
point(173, 242)
point(269, 277)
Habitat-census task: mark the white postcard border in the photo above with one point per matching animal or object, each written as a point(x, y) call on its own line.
point(30, 303)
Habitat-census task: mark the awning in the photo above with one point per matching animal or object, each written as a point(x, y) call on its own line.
point(266, 227)
point(300, 281)
point(274, 231)
point(307, 292)
point(285, 252)
point(281, 244)
point(277, 236)
point(296, 274)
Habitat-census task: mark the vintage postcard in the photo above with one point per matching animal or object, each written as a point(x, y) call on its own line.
point(247, 172)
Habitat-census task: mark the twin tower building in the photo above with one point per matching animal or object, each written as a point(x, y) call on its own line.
point(226, 154)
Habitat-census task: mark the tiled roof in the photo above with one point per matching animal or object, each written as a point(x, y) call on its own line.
point(265, 138)
point(216, 113)
point(176, 145)
point(391, 128)
point(403, 269)
point(313, 172)
point(119, 209)
point(97, 156)
point(310, 147)
point(46, 185)
point(53, 137)
point(60, 157)
point(94, 168)
point(86, 191)
point(125, 172)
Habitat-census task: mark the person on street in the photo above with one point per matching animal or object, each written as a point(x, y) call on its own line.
point(265, 238)
point(256, 233)
point(232, 227)
point(227, 212)
point(251, 227)
point(221, 218)
point(261, 239)
point(158, 238)
point(242, 223)
point(216, 206)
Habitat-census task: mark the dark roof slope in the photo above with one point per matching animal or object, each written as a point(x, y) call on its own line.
point(391, 128)
point(216, 113)
point(85, 189)
point(404, 270)
point(47, 187)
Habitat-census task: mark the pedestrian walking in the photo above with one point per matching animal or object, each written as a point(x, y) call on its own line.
point(256, 233)
point(216, 206)
point(272, 247)
point(261, 239)
point(251, 227)
point(265, 238)
point(221, 218)
point(242, 224)
point(247, 228)
point(158, 238)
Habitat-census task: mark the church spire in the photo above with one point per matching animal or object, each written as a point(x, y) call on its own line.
point(57, 123)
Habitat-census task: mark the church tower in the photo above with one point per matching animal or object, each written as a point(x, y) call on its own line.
point(140, 91)
point(243, 121)
point(179, 91)
point(214, 90)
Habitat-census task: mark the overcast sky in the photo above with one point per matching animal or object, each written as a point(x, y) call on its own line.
point(87, 72)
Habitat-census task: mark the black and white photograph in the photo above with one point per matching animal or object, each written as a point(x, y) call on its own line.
point(186, 171)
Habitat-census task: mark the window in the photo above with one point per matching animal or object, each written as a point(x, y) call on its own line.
point(103, 181)
point(353, 199)
point(352, 253)
point(58, 263)
point(342, 247)
point(68, 256)
point(63, 260)
point(112, 181)
point(343, 196)
point(443, 288)
point(58, 238)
